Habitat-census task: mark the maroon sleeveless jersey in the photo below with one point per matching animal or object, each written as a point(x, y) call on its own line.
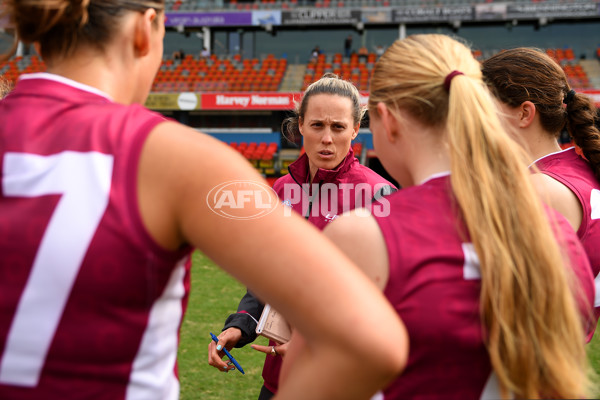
point(434, 285)
point(90, 304)
point(570, 169)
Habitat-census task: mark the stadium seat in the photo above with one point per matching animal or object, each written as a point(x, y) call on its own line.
point(12, 69)
point(223, 74)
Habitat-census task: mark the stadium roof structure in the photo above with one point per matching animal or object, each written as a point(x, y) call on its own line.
point(447, 11)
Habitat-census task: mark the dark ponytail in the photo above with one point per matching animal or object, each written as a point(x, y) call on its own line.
point(581, 114)
point(528, 74)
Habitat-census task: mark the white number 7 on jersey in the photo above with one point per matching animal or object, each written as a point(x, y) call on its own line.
point(83, 181)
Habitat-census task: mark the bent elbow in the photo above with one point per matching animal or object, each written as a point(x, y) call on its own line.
point(391, 354)
point(398, 358)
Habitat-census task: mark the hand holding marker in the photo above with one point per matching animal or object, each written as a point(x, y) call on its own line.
point(227, 353)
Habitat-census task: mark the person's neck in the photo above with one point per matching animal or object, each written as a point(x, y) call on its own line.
point(312, 170)
point(424, 164)
point(424, 169)
point(540, 143)
point(105, 73)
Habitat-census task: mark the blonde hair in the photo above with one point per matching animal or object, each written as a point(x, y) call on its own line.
point(532, 327)
point(328, 84)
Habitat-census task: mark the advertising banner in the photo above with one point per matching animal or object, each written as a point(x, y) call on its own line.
point(249, 101)
point(433, 14)
point(320, 16)
point(257, 100)
point(562, 10)
point(197, 19)
point(341, 16)
point(173, 101)
point(266, 17)
point(370, 16)
point(490, 11)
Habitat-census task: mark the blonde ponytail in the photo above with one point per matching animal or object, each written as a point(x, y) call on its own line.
point(531, 322)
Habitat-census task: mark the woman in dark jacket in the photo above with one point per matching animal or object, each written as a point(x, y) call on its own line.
point(324, 182)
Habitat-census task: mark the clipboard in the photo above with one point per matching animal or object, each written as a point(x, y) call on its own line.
point(272, 325)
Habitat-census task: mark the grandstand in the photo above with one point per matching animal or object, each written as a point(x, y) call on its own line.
point(215, 74)
point(259, 61)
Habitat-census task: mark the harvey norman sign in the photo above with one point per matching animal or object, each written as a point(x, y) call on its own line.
point(229, 101)
point(249, 101)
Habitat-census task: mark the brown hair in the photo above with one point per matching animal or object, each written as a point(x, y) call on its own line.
point(60, 26)
point(532, 328)
point(528, 74)
point(328, 84)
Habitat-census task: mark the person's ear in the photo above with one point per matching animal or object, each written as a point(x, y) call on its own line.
point(143, 31)
point(527, 113)
point(389, 122)
point(355, 132)
point(300, 122)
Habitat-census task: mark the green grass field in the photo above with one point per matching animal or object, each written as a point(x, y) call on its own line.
point(213, 297)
